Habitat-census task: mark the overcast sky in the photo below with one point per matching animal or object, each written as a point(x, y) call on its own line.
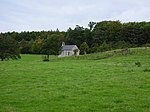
point(38, 15)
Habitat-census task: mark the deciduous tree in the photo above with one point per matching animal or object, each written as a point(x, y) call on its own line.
point(84, 48)
point(9, 48)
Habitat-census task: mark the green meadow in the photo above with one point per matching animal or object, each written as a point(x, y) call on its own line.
point(101, 82)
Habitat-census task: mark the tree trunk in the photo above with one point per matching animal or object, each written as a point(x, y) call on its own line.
point(48, 56)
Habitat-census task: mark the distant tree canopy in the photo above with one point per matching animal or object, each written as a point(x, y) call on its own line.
point(51, 45)
point(9, 48)
point(98, 37)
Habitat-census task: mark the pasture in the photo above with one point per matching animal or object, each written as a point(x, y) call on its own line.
point(99, 82)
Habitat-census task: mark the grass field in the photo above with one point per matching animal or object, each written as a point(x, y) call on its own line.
point(99, 82)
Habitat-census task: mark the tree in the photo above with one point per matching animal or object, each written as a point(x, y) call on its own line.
point(104, 47)
point(94, 48)
point(76, 36)
point(52, 44)
point(84, 48)
point(108, 31)
point(88, 37)
point(75, 52)
point(9, 48)
point(37, 45)
point(121, 45)
point(25, 46)
point(91, 25)
point(130, 33)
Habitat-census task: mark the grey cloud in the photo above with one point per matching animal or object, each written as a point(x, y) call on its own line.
point(20, 15)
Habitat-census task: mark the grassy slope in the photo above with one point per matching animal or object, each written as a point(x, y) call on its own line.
point(76, 84)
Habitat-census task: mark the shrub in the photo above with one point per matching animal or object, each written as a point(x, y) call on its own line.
point(121, 45)
point(45, 58)
point(138, 64)
point(105, 47)
point(146, 45)
point(146, 70)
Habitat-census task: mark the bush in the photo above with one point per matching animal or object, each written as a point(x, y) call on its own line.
point(138, 64)
point(146, 45)
point(146, 70)
point(105, 47)
point(45, 58)
point(121, 45)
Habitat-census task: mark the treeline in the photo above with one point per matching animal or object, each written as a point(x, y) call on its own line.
point(44, 42)
point(98, 37)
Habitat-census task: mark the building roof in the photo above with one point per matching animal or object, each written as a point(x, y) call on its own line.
point(69, 47)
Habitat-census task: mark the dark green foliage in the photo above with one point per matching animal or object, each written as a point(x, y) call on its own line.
point(52, 44)
point(108, 31)
point(84, 48)
point(146, 70)
point(9, 48)
point(76, 36)
point(138, 64)
point(25, 46)
point(100, 36)
point(75, 52)
point(121, 45)
point(37, 46)
point(32, 42)
point(91, 25)
point(146, 45)
point(45, 58)
point(104, 47)
point(94, 48)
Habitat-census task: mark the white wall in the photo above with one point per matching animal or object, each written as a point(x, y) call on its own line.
point(68, 53)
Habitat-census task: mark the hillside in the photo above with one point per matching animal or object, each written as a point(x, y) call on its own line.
point(114, 81)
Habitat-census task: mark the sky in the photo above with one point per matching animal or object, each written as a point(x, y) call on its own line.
point(46, 15)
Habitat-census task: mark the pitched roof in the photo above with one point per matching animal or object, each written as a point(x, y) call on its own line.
point(68, 47)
